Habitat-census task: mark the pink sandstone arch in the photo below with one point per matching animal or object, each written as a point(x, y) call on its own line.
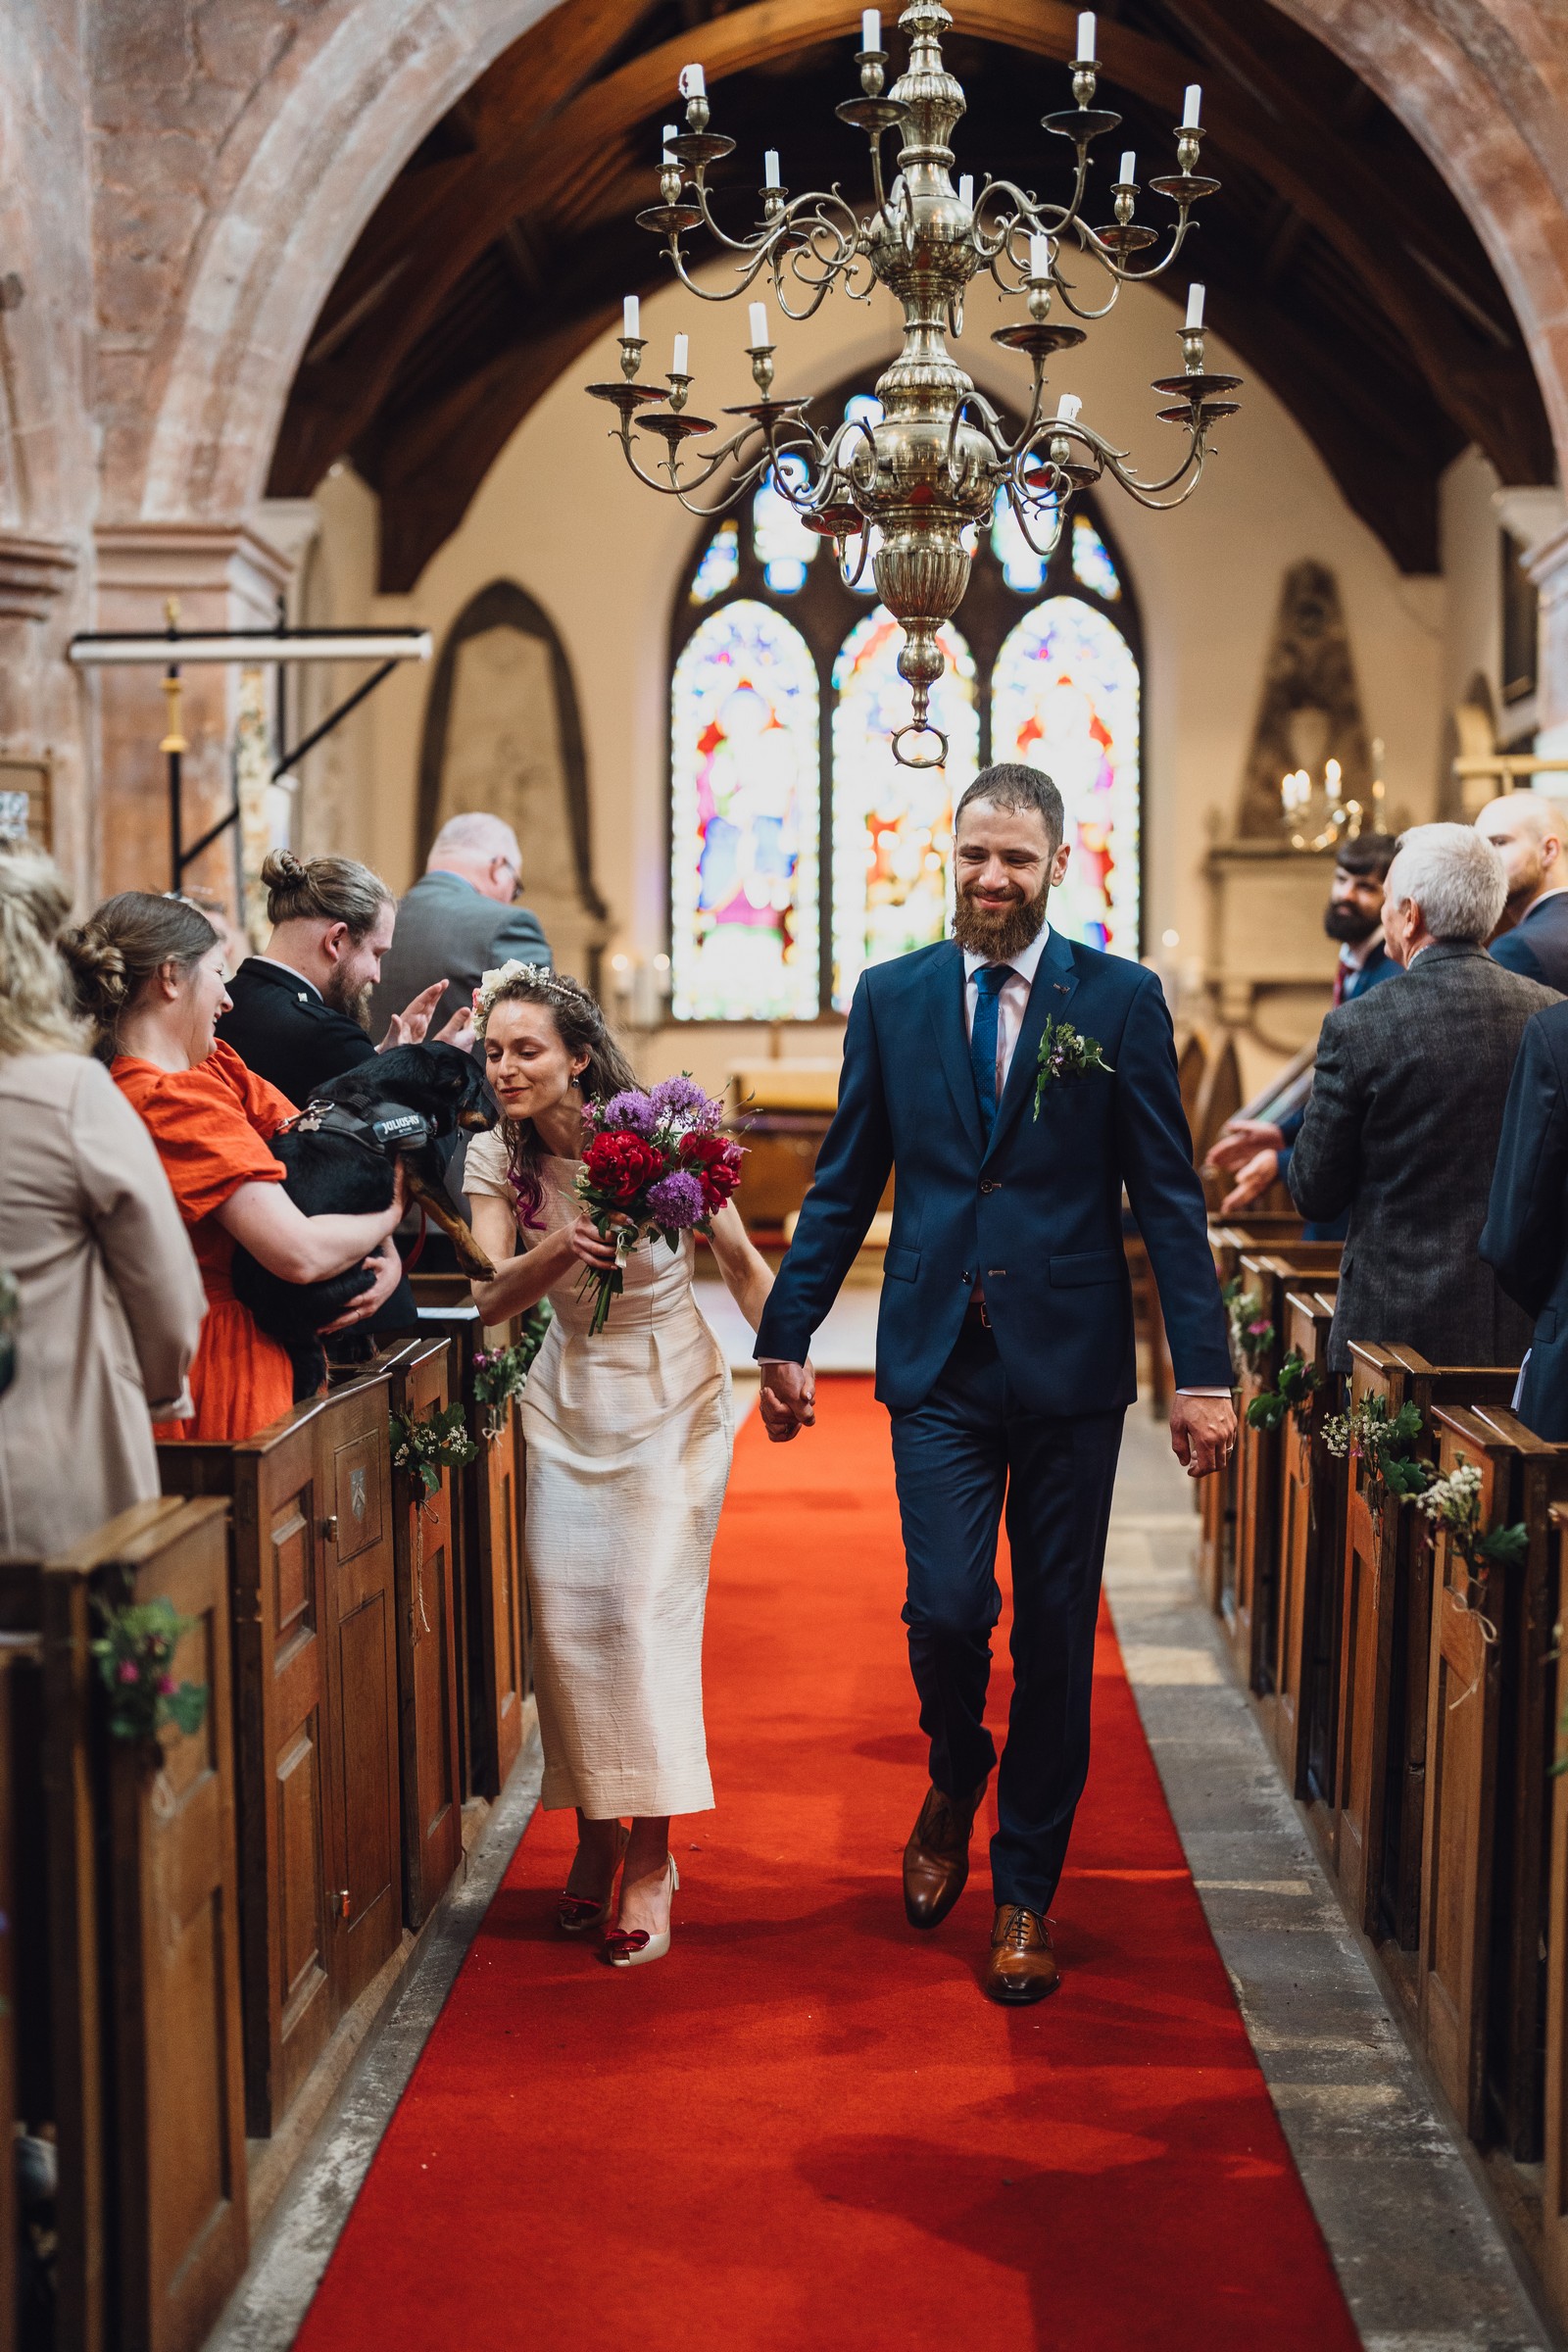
point(1482, 85)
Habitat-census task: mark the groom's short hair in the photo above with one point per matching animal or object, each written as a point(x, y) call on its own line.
point(1011, 785)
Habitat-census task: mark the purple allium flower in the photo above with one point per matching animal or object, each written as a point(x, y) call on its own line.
point(684, 1100)
point(676, 1200)
point(630, 1108)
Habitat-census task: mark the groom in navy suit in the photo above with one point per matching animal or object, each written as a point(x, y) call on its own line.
point(1005, 1345)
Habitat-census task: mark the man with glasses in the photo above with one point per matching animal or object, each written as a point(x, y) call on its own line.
point(459, 921)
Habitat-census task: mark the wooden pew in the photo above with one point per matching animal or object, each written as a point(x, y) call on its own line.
point(141, 1902)
point(493, 1605)
point(427, 1659)
point(1248, 1598)
point(1217, 1494)
point(313, 1594)
point(1306, 1622)
point(1489, 1716)
point(1386, 1621)
point(20, 1661)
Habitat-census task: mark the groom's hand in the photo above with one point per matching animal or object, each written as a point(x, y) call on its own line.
point(1202, 1433)
point(787, 1400)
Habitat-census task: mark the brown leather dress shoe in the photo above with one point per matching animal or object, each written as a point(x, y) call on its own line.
point(936, 1860)
point(1022, 1967)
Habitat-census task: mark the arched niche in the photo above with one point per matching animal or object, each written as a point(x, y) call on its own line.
point(501, 732)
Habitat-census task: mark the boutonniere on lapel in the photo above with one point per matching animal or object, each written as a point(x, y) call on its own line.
point(1065, 1054)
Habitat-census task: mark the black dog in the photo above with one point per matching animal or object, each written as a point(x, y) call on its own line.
point(340, 1154)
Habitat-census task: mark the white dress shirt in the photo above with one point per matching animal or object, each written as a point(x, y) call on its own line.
point(1012, 997)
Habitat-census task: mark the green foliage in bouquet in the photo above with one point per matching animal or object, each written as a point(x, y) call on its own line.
point(1252, 1332)
point(134, 1654)
point(431, 1443)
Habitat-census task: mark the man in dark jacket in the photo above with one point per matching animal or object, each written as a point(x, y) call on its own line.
point(1259, 1151)
point(1526, 1236)
point(1531, 836)
point(1406, 1108)
point(458, 921)
point(298, 1012)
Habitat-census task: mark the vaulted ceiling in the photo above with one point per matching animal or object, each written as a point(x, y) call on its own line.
point(1338, 264)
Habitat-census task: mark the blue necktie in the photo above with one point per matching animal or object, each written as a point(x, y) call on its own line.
point(989, 982)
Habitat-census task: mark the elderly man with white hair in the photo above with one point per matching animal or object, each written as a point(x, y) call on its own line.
point(1531, 835)
point(458, 921)
point(1406, 1110)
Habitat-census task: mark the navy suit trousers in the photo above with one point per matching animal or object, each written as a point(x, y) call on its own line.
point(964, 1452)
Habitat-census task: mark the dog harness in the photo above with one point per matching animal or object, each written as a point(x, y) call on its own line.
point(381, 1127)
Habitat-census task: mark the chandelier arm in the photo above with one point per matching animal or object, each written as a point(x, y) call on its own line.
point(865, 536)
point(1022, 511)
point(1139, 277)
point(728, 452)
point(1151, 494)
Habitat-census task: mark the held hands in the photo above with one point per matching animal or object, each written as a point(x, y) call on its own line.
point(1202, 1433)
point(584, 1240)
point(787, 1399)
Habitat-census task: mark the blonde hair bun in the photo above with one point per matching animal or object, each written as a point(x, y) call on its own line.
point(99, 969)
point(281, 868)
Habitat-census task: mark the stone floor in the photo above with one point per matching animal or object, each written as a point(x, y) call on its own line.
point(1425, 2263)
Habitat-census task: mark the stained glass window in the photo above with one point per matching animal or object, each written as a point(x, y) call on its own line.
point(801, 852)
point(893, 825)
point(1064, 697)
point(1023, 570)
point(1091, 564)
point(720, 564)
point(785, 548)
point(745, 769)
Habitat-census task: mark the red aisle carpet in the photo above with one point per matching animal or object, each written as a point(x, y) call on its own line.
point(806, 2128)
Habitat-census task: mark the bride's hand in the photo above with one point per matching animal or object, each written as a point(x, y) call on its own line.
point(586, 1242)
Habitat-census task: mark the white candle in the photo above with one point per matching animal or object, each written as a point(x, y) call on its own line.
point(757, 311)
point(1039, 257)
point(770, 179)
point(870, 28)
point(1085, 38)
point(1067, 407)
point(631, 318)
point(1195, 308)
point(966, 192)
point(666, 134)
point(691, 84)
point(1189, 111)
point(681, 368)
point(1129, 167)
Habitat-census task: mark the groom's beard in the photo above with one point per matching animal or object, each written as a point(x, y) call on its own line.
point(999, 933)
point(344, 995)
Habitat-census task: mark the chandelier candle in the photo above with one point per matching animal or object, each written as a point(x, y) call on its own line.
point(907, 493)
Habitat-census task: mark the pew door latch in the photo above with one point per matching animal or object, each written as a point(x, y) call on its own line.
point(329, 1528)
point(342, 1897)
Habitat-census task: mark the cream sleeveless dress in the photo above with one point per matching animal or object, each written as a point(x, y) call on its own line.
point(630, 1432)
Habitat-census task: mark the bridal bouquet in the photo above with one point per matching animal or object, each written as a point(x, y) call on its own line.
point(652, 1163)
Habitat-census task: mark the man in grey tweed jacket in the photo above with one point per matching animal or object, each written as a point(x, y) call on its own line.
point(1406, 1110)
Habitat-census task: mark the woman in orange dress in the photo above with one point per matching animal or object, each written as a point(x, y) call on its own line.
point(150, 971)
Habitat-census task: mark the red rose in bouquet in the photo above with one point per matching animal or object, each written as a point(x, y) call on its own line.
point(716, 1163)
point(621, 1164)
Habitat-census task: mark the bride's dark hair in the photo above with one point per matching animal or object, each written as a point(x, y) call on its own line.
point(582, 1029)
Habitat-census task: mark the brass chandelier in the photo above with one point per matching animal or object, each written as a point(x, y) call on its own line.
point(915, 488)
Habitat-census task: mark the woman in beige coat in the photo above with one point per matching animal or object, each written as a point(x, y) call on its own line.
point(111, 1301)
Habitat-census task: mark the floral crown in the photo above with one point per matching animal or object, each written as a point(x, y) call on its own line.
point(536, 976)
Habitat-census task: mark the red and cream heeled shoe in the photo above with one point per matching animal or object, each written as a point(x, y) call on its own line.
point(631, 1948)
point(580, 1914)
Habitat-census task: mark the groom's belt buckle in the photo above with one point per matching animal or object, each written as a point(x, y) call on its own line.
point(980, 1313)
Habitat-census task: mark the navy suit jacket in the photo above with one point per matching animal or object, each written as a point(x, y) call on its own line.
point(1525, 1238)
point(1537, 947)
point(1035, 1216)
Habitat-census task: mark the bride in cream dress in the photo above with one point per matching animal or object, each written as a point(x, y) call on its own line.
point(630, 1432)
